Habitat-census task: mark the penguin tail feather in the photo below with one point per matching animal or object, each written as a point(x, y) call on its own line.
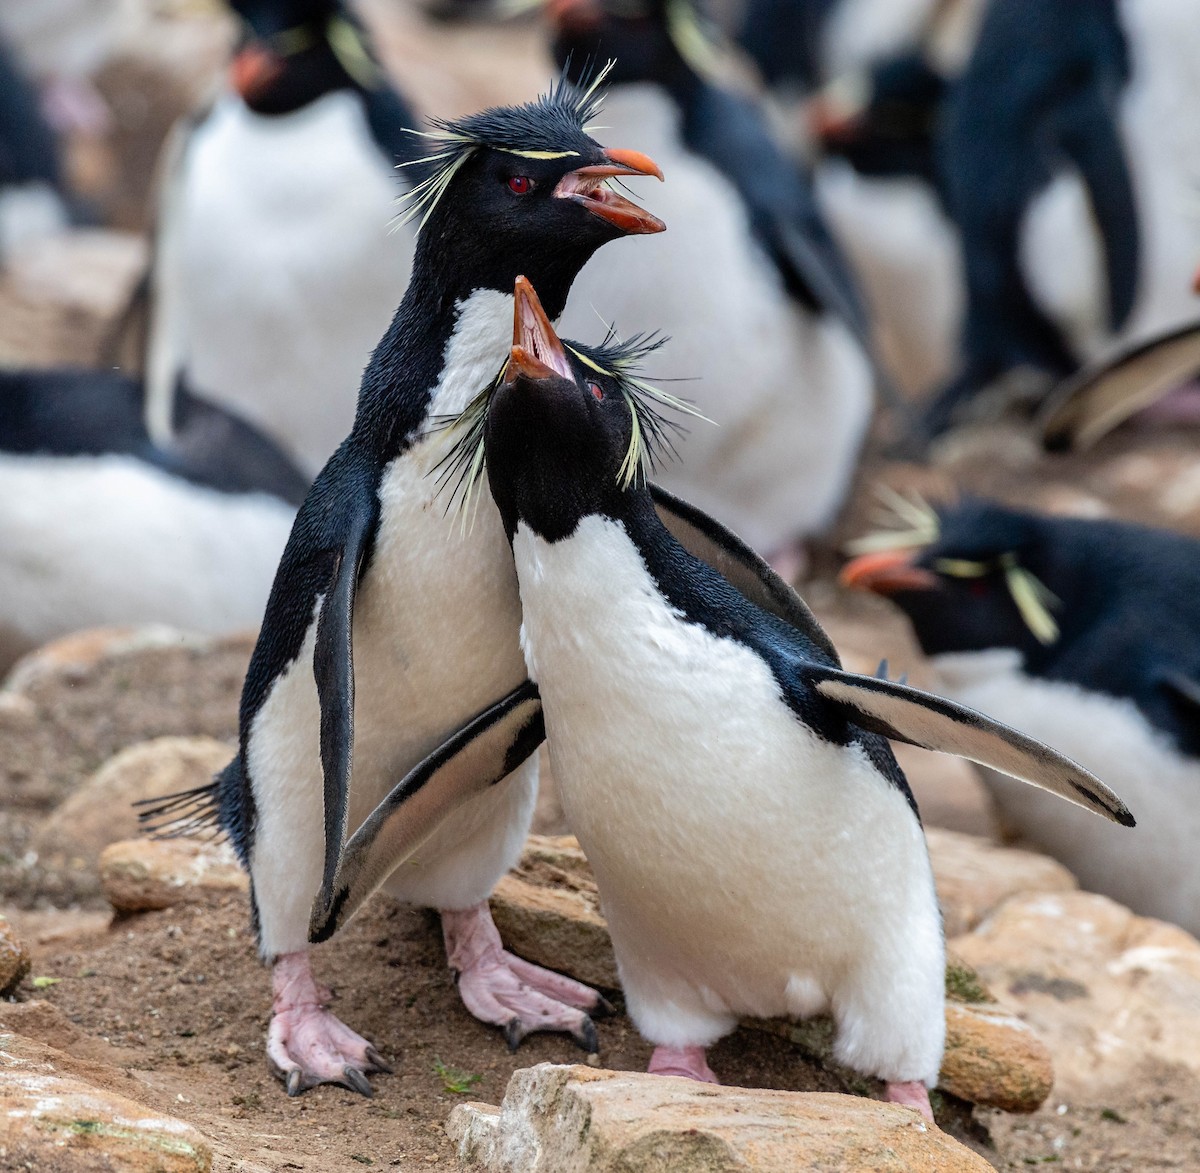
point(194, 812)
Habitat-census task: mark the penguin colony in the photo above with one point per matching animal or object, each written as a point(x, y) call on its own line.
point(714, 758)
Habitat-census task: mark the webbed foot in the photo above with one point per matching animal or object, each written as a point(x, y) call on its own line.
point(685, 1062)
point(506, 991)
point(306, 1045)
point(912, 1094)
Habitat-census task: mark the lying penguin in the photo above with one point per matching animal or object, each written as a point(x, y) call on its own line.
point(100, 525)
point(757, 848)
point(275, 271)
point(1083, 633)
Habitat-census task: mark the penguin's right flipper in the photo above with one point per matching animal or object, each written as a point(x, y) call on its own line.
point(932, 722)
point(486, 749)
point(1084, 408)
point(708, 540)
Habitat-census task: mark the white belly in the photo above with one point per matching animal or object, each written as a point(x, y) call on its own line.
point(87, 541)
point(745, 865)
point(436, 625)
point(1152, 868)
point(789, 391)
point(290, 273)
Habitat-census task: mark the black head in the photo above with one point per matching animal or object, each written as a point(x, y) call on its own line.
point(522, 189)
point(294, 51)
point(568, 430)
point(977, 576)
point(664, 41)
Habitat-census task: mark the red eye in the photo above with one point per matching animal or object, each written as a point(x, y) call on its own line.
point(521, 184)
point(596, 390)
point(979, 588)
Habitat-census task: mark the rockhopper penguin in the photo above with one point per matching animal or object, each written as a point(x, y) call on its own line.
point(389, 623)
point(1083, 633)
point(757, 848)
point(275, 271)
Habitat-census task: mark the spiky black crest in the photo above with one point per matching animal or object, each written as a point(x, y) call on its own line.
point(554, 125)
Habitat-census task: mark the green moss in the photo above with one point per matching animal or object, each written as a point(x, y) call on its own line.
point(963, 984)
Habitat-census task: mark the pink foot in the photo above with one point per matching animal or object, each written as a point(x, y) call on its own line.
point(503, 990)
point(686, 1062)
point(306, 1045)
point(912, 1094)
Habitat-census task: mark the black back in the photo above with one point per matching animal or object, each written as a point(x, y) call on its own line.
point(1128, 607)
point(67, 412)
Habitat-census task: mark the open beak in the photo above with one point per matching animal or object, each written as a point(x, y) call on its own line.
point(586, 187)
point(536, 351)
point(887, 573)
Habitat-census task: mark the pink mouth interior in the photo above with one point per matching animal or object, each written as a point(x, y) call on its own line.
point(533, 339)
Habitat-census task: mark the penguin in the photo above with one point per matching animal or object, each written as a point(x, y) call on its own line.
point(34, 202)
point(757, 848)
point(275, 270)
point(99, 525)
point(788, 377)
point(389, 624)
point(1082, 633)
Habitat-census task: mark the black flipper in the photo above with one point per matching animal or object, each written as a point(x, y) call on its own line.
point(1083, 409)
point(485, 750)
point(333, 670)
point(930, 722)
point(707, 539)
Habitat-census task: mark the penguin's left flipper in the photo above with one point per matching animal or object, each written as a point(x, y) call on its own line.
point(1085, 407)
point(932, 722)
point(708, 540)
point(482, 752)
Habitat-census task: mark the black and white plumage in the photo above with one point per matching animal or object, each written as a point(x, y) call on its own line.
point(757, 848)
point(1083, 632)
point(765, 315)
point(390, 624)
point(278, 262)
point(99, 525)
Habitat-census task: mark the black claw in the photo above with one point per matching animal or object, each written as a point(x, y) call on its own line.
point(357, 1082)
point(295, 1082)
point(603, 1008)
point(377, 1061)
point(514, 1032)
point(586, 1037)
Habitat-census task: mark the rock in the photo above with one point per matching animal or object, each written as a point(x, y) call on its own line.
point(14, 958)
point(949, 791)
point(994, 1059)
point(72, 655)
point(548, 911)
point(1104, 989)
point(139, 875)
point(974, 877)
point(101, 811)
point(62, 1124)
point(581, 1120)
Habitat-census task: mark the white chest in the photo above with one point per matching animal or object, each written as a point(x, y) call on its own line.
point(709, 812)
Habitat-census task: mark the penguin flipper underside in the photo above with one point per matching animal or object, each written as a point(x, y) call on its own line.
point(708, 540)
point(932, 722)
point(479, 754)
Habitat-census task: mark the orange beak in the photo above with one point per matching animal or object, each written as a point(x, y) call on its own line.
point(586, 187)
point(254, 69)
point(536, 351)
point(886, 573)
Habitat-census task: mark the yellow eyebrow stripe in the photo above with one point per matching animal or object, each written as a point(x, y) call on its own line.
point(587, 362)
point(961, 568)
point(540, 154)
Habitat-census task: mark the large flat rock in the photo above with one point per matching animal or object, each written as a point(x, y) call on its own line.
point(581, 1120)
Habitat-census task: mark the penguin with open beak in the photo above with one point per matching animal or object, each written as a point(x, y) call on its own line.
point(389, 624)
point(757, 848)
point(1083, 633)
